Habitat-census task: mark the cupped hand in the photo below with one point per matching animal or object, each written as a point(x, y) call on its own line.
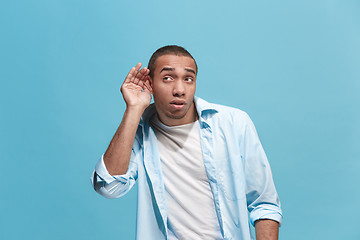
point(136, 88)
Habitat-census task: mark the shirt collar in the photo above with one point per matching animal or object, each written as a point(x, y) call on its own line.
point(204, 108)
point(148, 113)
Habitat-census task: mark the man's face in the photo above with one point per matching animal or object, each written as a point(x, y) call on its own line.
point(174, 85)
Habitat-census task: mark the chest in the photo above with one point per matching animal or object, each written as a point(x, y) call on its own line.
point(181, 155)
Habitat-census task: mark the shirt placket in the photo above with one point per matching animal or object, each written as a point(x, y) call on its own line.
point(207, 147)
point(153, 170)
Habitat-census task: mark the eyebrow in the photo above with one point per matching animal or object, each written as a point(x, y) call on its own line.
point(190, 70)
point(172, 69)
point(167, 69)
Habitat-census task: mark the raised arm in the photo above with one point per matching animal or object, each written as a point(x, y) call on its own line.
point(136, 91)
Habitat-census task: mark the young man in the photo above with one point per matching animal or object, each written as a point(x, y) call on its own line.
point(201, 170)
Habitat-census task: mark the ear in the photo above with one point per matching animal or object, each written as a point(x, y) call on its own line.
point(150, 81)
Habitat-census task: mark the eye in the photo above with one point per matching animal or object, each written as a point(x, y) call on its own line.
point(167, 78)
point(189, 79)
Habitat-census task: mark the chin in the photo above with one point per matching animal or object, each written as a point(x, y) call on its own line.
point(175, 116)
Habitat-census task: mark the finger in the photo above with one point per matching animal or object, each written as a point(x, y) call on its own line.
point(148, 89)
point(141, 84)
point(138, 66)
point(131, 75)
point(140, 75)
point(147, 71)
point(144, 75)
point(146, 81)
point(148, 86)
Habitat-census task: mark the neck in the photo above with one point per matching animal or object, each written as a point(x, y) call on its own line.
point(190, 116)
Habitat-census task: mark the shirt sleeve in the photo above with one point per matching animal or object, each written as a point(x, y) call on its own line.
point(114, 186)
point(262, 199)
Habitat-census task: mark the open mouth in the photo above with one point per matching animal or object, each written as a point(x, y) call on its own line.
point(178, 104)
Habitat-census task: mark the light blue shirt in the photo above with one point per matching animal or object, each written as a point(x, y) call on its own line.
point(238, 170)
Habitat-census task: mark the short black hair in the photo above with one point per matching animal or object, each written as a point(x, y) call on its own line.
point(168, 50)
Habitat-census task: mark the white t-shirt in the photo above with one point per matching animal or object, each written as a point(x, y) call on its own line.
point(190, 203)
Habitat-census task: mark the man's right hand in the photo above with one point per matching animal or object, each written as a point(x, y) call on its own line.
point(136, 88)
point(136, 91)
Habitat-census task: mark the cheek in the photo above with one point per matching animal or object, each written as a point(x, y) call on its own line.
point(160, 95)
point(156, 93)
point(163, 92)
point(158, 88)
point(192, 89)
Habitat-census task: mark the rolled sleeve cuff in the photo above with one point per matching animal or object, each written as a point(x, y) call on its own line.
point(266, 212)
point(103, 173)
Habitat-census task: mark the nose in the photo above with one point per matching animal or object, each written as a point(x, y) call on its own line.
point(179, 88)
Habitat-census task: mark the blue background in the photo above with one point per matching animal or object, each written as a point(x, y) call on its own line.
point(294, 66)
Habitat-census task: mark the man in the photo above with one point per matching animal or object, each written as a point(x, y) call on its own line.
point(200, 167)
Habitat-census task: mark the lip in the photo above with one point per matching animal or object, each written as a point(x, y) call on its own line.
point(178, 104)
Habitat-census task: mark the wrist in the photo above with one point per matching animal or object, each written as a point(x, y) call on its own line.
point(135, 109)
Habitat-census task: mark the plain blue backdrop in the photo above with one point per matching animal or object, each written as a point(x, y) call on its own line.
point(293, 66)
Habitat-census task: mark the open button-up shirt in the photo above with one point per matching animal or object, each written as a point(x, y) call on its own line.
point(236, 165)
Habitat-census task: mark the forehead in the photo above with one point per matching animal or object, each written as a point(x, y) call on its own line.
point(174, 61)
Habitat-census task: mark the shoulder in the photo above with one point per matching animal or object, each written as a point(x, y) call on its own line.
point(232, 111)
point(221, 112)
point(233, 118)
